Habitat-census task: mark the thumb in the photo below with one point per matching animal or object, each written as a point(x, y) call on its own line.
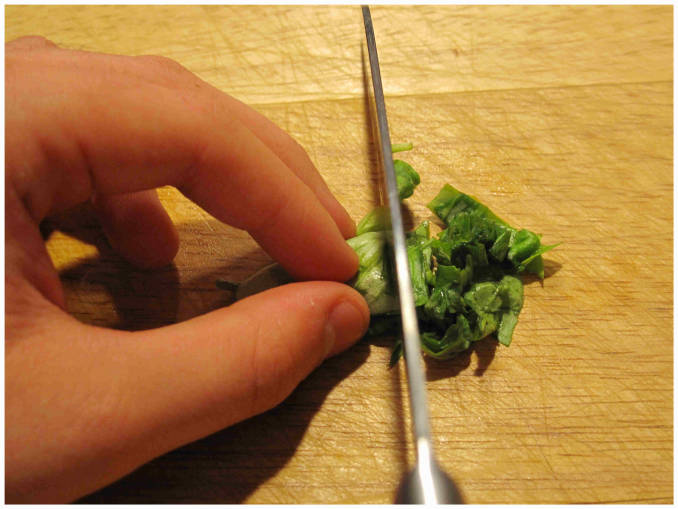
point(197, 377)
point(128, 397)
point(233, 363)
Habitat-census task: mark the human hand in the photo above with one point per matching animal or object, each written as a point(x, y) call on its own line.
point(86, 405)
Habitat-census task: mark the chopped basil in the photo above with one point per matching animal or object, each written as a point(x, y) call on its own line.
point(465, 280)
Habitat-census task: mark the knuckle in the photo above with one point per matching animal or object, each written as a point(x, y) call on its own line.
point(168, 73)
point(29, 42)
point(162, 64)
point(273, 368)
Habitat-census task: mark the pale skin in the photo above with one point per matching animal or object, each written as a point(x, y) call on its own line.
point(86, 405)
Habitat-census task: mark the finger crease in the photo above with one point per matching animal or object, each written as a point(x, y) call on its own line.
point(86, 159)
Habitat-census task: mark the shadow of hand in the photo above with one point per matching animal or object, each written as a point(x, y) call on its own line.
point(246, 454)
point(107, 291)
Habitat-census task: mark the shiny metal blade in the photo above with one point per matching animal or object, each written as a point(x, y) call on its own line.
point(415, 373)
point(426, 483)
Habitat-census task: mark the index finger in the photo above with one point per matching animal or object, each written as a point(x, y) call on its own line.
point(277, 140)
point(94, 123)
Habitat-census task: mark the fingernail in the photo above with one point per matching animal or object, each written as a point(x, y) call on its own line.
point(346, 324)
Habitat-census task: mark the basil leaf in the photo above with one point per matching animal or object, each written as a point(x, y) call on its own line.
point(400, 147)
point(375, 279)
point(464, 280)
point(419, 258)
point(376, 221)
point(534, 263)
point(406, 178)
point(524, 245)
point(449, 202)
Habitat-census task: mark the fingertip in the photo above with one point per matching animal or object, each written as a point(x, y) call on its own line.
point(346, 225)
point(340, 216)
point(304, 238)
point(347, 322)
point(340, 265)
point(139, 228)
point(352, 264)
point(162, 256)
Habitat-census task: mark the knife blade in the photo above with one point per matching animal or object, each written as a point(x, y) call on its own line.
point(427, 483)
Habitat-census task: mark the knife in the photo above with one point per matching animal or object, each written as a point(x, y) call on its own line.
point(426, 483)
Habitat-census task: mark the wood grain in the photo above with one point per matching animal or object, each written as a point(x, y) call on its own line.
point(561, 118)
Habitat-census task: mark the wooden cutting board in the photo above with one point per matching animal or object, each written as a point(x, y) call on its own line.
point(560, 118)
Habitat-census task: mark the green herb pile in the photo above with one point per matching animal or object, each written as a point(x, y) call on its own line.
point(465, 280)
